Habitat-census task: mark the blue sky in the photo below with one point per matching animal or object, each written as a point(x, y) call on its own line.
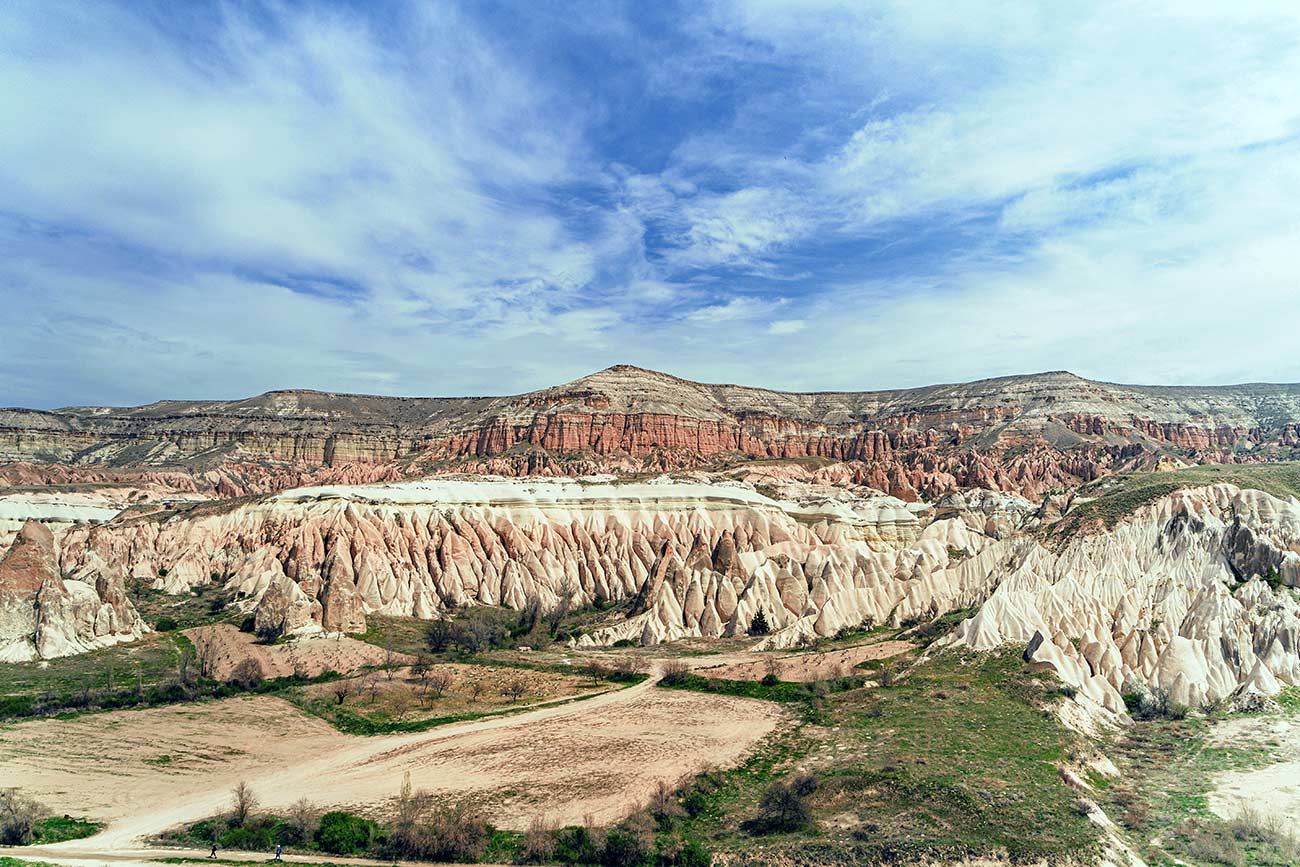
point(214, 200)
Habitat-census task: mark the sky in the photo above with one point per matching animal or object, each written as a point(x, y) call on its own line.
point(207, 200)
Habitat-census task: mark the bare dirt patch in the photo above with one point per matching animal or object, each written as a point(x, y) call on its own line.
point(145, 771)
point(442, 690)
point(306, 656)
point(806, 667)
point(1276, 785)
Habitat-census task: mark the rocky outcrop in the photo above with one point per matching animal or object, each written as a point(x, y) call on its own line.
point(1192, 595)
point(1029, 434)
point(42, 616)
point(692, 558)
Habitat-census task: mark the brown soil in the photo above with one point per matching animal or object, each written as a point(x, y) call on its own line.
point(805, 667)
point(148, 770)
point(311, 656)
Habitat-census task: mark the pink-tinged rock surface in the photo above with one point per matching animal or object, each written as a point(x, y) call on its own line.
point(42, 616)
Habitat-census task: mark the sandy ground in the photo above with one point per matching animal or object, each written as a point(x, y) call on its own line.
point(148, 770)
point(1277, 786)
point(804, 667)
point(311, 655)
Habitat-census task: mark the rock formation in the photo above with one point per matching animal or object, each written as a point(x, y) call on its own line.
point(1027, 434)
point(1192, 595)
point(42, 616)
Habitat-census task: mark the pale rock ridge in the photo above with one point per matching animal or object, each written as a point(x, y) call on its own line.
point(42, 616)
point(698, 559)
point(1171, 598)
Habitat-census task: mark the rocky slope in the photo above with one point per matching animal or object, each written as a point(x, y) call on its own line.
point(43, 616)
point(1028, 434)
point(1191, 594)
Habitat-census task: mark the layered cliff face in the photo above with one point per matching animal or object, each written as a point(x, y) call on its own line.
point(1027, 434)
point(42, 616)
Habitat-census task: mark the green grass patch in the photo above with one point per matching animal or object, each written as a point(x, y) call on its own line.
point(766, 690)
point(6, 861)
point(960, 758)
point(56, 829)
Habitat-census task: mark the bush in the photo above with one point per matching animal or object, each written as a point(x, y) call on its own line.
point(574, 845)
point(165, 624)
point(782, 808)
point(676, 673)
point(623, 847)
point(770, 679)
point(247, 674)
point(344, 833)
point(18, 817)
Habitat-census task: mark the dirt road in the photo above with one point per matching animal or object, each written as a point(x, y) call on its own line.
point(146, 771)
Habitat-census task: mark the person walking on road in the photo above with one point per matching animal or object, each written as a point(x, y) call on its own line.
point(213, 853)
point(277, 852)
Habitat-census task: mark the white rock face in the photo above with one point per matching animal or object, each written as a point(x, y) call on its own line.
point(42, 616)
point(698, 559)
point(1170, 598)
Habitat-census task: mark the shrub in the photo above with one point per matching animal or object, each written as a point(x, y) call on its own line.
point(781, 809)
point(343, 833)
point(575, 845)
point(18, 817)
point(770, 679)
point(676, 672)
point(624, 847)
point(759, 625)
point(247, 674)
point(165, 624)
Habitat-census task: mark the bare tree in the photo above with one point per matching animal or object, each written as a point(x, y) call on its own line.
point(399, 703)
point(515, 689)
point(341, 690)
point(247, 674)
point(390, 658)
point(596, 670)
point(242, 803)
point(303, 818)
point(371, 684)
point(439, 682)
point(207, 656)
point(18, 816)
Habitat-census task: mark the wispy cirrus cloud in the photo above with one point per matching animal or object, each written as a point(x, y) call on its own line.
point(445, 198)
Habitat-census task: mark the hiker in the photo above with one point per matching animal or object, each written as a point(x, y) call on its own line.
point(213, 853)
point(277, 851)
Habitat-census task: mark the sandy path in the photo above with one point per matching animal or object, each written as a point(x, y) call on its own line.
point(1277, 785)
point(593, 756)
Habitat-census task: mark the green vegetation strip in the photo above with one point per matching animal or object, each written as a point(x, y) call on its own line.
point(766, 689)
point(353, 723)
point(1117, 497)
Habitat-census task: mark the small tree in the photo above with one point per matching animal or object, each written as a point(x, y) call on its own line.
point(247, 674)
point(341, 690)
point(18, 817)
point(515, 689)
point(242, 804)
point(759, 625)
point(303, 818)
point(390, 658)
point(439, 682)
point(437, 636)
point(782, 808)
